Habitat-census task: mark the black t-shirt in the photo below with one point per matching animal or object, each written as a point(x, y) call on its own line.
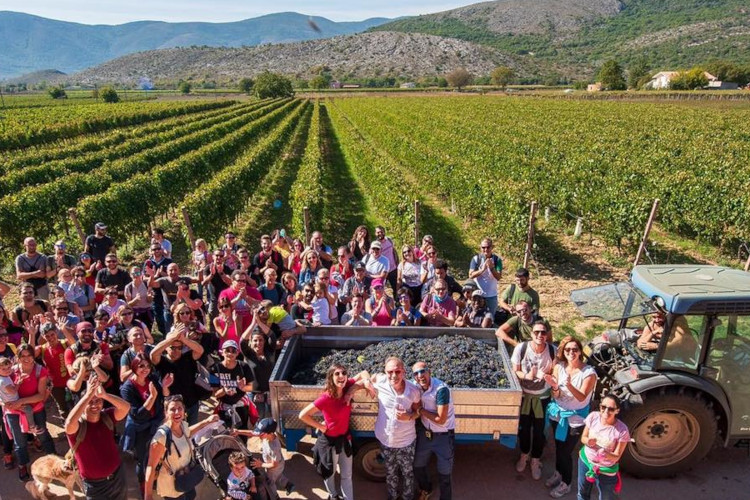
point(99, 247)
point(259, 262)
point(228, 380)
point(160, 266)
point(120, 279)
point(216, 285)
point(261, 368)
point(184, 370)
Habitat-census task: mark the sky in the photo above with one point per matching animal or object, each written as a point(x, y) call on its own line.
point(119, 12)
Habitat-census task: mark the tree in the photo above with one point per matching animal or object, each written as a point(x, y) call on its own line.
point(246, 85)
point(729, 72)
point(459, 78)
point(108, 94)
point(184, 87)
point(269, 85)
point(610, 75)
point(502, 76)
point(637, 71)
point(319, 82)
point(57, 93)
point(691, 79)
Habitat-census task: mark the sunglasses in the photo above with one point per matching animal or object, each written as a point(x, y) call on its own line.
point(126, 313)
point(226, 306)
point(539, 332)
point(485, 248)
point(175, 347)
point(571, 349)
point(379, 287)
point(420, 372)
point(184, 313)
point(111, 261)
point(606, 408)
point(340, 374)
point(86, 330)
point(440, 289)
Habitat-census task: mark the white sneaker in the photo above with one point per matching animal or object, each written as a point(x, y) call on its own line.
point(560, 491)
point(521, 464)
point(536, 469)
point(553, 480)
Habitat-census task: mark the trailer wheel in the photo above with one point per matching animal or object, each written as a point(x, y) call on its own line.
point(369, 462)
point(670, 433)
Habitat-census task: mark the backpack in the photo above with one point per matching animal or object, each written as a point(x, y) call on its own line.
point(70, 457)
point(525, 346)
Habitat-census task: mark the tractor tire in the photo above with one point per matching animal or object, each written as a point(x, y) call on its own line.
point(669, 433)
point(369, 463)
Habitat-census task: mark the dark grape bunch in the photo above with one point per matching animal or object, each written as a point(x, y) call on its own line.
point(456, 360)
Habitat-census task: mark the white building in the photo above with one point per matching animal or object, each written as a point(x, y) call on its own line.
point(662, 79)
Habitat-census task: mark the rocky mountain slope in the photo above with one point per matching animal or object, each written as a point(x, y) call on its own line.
point(364, 55)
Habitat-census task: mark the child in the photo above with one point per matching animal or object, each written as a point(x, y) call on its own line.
point(266, 315)
point(9, 392)
point(321, 307)
point(241, 480)
point(273, 459)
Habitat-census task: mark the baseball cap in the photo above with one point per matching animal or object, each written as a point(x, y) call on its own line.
point(377, 282)
point(266, 426)
point(61, 244)
point(47, 327)
point(359, 265)
point(100, 225)
point(375, 244)
point(469, 285)
point(477, 293)
point(229, 343)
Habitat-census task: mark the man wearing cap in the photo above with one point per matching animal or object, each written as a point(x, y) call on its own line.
point(388, 250)
point(435, 432)
point(486, 268)
point(236, 380)
point(87, 346)
point(518, 291)
point(359, 283)
point(112, 275)
point(31, 266)
point(60, 260)
point(98, 245)
point(376, 265)
point(476, 314)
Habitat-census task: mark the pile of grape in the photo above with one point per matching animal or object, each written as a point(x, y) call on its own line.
point(456, 360)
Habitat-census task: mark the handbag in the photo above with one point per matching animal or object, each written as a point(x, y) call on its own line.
point(189, 477)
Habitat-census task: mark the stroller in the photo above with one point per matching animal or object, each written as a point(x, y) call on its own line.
point(212, 452)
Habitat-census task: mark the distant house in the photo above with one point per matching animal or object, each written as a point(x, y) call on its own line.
point(594, 87)
point(408, 85)
point(335, 84)
point(662, 79)
point(717, 85)
point(351, 86)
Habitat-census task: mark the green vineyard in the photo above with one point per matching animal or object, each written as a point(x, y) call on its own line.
point(473, 163)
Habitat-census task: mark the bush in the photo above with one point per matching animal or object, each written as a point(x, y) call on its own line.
point(459, 78)
point(57, 93)
point(502, 76)
point(108, 94)
point(184, 87)
point(246, 85)
point(271, 85)
point(689, 80)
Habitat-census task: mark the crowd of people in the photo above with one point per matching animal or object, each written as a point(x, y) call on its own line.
point(131, 356)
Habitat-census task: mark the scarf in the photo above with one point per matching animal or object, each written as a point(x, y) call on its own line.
point(594, 470)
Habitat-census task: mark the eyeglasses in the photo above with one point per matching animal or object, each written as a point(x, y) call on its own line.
point(86, 330)
point(230, 237)
point(184, 313)
point(111, 261)
point(144, 366)
point(225, 306)
point(156, 249)
point(126, 313)
point(340, 373)
point(440, 289)
point(571, 349)
point(420, 372)
point(244, 257)
point(379, 287)
point(137, 273)
point(606, 408)
point(539, 332)
point(341, 256)
point(375, 249)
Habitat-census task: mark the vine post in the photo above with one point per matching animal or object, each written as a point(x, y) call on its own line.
point(306, 213)
point(416, 223)
point(74, 217)
point(646, 232)
point(530, 235)
point(191, 234)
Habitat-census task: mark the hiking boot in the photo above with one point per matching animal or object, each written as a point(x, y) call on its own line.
point(560, 491)
point(8, 462)
point(521, 464)
point(289, 488)
point(23, 473)
point(536, 469)
point(553, 480)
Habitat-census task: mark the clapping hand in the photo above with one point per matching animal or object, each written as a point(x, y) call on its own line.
point(167, 381)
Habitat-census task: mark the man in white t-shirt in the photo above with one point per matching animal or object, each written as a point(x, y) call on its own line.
point(398, 408)
point(388, 250)
point(486, 269)
point(376, 265)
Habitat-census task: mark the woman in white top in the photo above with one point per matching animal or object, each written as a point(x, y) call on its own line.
point(572, 383)
point(179, 455)
point(410, 274)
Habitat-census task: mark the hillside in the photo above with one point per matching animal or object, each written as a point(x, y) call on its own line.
point(362, 55)
point(573, 37)
point(32, 43)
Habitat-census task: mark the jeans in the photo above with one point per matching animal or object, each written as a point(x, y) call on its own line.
point(160, 316)
point(4, 436)
point(115, 488)
point(442, 445)
point(491, 305)
point(190, 495)
point(605, 483)
point(345, 468)
point(19, 437)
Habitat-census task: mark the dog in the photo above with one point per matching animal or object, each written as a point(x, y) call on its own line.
point(50, 468)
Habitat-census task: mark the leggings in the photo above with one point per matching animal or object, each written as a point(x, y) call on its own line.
point(564, 452)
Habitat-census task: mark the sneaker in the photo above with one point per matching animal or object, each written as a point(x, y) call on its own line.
point(521, 464)
point(560, 491)
point(23, 473)
point(553, 480)
point(289, 488)
point(536, 469)
point(8, 462)
point(424, 495)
